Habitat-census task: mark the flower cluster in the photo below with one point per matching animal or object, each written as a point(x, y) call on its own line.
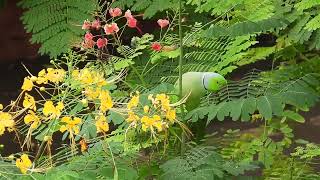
point(45, 76)
point(111, 29)
point(92, 82)
point(154, 116)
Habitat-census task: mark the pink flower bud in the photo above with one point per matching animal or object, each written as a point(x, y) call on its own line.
point(132, 22)
point(96, 24)
point(88, 36)
point(102, 42)
point(128, 14)
point(111, 28)
point(163, 23)
point(86, 25)
point(115, 12)
point(156, 46)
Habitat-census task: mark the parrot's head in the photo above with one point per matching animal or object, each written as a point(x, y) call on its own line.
point(213, 81)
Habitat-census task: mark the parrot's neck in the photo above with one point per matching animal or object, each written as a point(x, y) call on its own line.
point(205, 81)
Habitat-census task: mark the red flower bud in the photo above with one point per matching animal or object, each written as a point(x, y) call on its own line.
point(128, 14)
point(156, 46)
point(132, 22)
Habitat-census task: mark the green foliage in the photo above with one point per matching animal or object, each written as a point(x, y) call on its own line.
point(202, 163)
point(56, 24)
point(229, 39)
point(246, 27)
point(240, 100)
point(298, 165)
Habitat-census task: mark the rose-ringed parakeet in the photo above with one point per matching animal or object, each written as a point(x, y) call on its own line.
point(197, 84)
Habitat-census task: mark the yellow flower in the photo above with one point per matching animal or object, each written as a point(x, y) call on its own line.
point(132, 117)
point(27, 84)
point(2, 129)
point(6, 121)
point(134, 101)
point(24, 163)
point(102, 124)
point(100, 81)
point(60, 106)
point(105, 101)
point(42, 79)
point(171, 115)
point(146, 109)
point(71, 125)
point(148, 122)
point(55, 75)
point(29, 102)
point(50, 109)
point(165, 102)
point(31, 117)
point(33, 78)
point(92, 93)
point(86, 77)
point(1, 106)
point(75, 73)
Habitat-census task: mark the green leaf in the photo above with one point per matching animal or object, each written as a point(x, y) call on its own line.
point(76, 109)
point(122, 64)
point(249, 107)
point(165, 55)
point(264, 107)
point(294, 116)
point(276, 104)
point(245, 28)
point(53, 23)
point(196, 114)
point(115, 117)
point(223, 111)
point(52, 127)
point(236, 108)
point(313, 24)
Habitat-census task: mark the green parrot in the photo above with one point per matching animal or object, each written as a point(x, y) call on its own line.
point(197, 84)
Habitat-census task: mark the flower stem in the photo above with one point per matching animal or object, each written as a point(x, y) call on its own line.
point(183, 135)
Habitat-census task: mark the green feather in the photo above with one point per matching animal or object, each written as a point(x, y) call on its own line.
point(196, 84)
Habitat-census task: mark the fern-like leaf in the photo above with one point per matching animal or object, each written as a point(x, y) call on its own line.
point(54, 24)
